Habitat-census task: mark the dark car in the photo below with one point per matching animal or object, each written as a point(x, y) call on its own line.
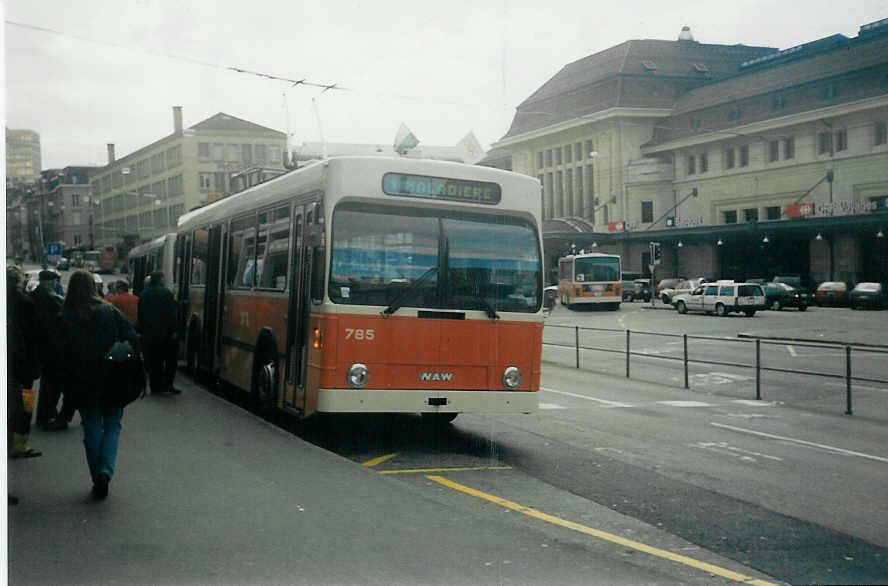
point(640, 289)
point(64, 264)
point(780, 295)
point(831, 294)
point(795, 281)
point(871, 295)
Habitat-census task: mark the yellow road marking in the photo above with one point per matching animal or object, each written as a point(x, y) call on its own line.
point(428, 470)
point(792, 351)
point(719, 571)
point(379, 460)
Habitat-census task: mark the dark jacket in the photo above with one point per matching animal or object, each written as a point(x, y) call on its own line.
point(22, 365)
point(48, 305)
point(157, 314)
point(85, 346)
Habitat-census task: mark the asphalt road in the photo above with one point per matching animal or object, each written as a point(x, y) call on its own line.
point(792, 487)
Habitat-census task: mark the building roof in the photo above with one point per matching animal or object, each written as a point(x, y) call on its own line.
point(790, 70)
point(589, 85)
point(223, 122)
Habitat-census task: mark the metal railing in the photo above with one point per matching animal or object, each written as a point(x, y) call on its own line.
point(758, 342)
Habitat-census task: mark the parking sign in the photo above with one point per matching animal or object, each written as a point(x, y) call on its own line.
point(54, 249)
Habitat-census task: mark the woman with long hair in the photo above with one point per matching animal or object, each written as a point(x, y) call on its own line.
point(92, 326)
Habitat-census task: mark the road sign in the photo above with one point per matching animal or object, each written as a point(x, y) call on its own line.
point(54, 248)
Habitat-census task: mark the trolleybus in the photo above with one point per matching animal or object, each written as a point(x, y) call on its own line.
point(369, 284)
point(155, 255)
point(590, 279)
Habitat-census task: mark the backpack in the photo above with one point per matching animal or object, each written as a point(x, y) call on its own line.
point(124, 371)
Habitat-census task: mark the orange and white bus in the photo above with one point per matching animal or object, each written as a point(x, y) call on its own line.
point(369, 284)
point(590, 278)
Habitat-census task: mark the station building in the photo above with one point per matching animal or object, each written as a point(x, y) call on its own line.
point(742, 162)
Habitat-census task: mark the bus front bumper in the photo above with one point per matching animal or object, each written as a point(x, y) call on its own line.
point(425, 401)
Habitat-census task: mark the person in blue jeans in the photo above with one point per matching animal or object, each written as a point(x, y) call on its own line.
point(91, 327)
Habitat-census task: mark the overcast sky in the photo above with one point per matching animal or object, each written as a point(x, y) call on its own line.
point(116, 68)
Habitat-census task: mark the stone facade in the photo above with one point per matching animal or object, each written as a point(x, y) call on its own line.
point(142, 195)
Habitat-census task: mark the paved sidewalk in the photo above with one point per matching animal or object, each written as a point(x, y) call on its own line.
point(205, 493)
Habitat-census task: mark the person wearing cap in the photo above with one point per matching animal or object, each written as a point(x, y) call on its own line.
point(48, 305)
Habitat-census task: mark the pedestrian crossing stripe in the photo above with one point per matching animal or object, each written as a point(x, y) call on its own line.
point(685, 403)
point(551, 406)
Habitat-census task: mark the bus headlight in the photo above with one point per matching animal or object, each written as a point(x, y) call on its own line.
point(511, 378)
point(358, 375)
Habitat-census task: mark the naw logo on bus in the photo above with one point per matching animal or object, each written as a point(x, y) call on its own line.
point(436, 376)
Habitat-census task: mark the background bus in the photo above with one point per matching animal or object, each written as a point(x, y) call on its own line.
point(99, 261)
point(590, 279)
point(91, 260)
point(156, 255)
point(369, 285)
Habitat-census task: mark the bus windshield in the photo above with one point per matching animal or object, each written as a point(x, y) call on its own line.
point(434, 259)
point(597, 269)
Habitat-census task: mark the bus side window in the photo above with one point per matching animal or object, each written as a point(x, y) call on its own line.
point(240, 252)
point(199, 253)
point(276, 233)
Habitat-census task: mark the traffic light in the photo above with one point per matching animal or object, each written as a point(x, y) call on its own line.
point(656, 253)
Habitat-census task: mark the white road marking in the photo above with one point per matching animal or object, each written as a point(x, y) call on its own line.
point(550, 406)
point(801, 442)
point(602, 401)
point(754, 403)
point(685, 404)
point(792, 351)
point(730, 448)
point(718, 378)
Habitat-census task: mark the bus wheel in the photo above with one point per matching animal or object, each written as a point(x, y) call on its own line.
point(438, 419)
point(263, 394)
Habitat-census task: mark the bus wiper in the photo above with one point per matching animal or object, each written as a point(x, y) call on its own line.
point(491, 312)
point(400, 299)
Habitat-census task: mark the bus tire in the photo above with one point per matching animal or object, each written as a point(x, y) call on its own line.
point(266, 376)
point(438, 419)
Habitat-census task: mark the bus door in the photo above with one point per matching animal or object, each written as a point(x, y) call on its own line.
point(183, 259)
point(209, 345)
point(297, 321)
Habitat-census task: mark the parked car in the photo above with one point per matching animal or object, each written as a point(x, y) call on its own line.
point(868, 295)
point(780, 295)
point(795, 281)
point(64, 264)
point(550, 296)
point(722, 298)
point(831, 294)
point(667, 295)
point(641, 289)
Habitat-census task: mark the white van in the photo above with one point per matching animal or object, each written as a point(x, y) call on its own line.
point(722, 298)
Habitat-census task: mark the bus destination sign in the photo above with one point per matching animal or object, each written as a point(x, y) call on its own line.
point(441, 188)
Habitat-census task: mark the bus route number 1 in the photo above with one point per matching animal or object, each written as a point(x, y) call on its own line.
point(359, 334)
